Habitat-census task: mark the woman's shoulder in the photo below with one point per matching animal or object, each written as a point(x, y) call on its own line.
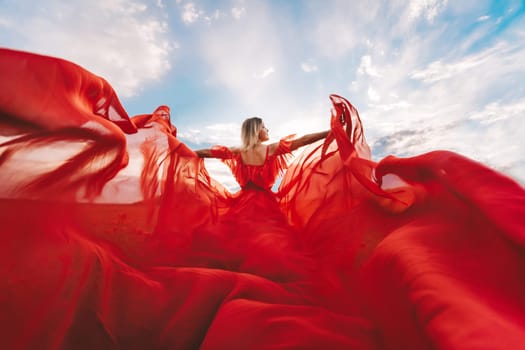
point(283, 146)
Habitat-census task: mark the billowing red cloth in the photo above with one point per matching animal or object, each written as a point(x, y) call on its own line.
point(114, 236)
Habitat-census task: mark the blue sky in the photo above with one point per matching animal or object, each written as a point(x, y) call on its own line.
point(424, 74)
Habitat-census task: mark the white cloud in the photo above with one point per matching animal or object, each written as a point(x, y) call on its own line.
point(365, 67)
point(215, 134)
point(483, 18)
point(242, 64)
point(190, 13)
point(123, 6)
point(373, 95)
point(472, 103)
point(5, 22)
point(497, 144)
point(496, 111)
point(410, 13)
point(437, 70)
point(308, 67)
point(238, 12)
point(120, 40)
point(391, 106)
point(426, 8)
point(338, 28)
point(335, 36)
point(264, 74)
point(215, 16)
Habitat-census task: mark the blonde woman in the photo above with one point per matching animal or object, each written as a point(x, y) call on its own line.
point(255, 164)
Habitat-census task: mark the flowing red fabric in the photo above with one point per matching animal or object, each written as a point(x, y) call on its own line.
point(114, 235)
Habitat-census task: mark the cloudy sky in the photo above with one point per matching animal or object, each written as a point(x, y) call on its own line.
point(424, 74)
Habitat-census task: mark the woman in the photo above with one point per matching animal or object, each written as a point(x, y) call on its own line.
point(254, 164)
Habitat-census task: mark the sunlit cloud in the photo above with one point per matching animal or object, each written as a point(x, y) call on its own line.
point(215, 134)
point(243, 64)
point(214, 16)
point(309, 67)
point(373, 95)
point(428, 9)
point(366, 67)
point(238, 12)
point(495, 111)
point(264, 74)
point(334, 36)
point(483, 18)
point(391, 106)
point(121, 41)
point(190, 14)
point(439, 71)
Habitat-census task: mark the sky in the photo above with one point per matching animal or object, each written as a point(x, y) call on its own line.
point(424, 74)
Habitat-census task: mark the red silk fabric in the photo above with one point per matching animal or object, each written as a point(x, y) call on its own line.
point(114, 236)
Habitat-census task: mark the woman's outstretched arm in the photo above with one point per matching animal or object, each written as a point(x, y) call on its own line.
point(301, 141)
point(308, 139)
point(295, 144)
point(220, 152)
point(204, 153)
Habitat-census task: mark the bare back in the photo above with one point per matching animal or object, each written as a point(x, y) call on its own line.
point(258, 155)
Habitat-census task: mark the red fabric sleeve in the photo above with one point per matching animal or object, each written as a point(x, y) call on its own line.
point(285, 145)
point(221, 152)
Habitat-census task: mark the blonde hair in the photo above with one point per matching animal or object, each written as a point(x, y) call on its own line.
point(250, 130)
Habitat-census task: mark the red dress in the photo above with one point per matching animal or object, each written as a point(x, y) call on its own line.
point(406, 253)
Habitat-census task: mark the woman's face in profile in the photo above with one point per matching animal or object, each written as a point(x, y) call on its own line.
point(263, 134)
